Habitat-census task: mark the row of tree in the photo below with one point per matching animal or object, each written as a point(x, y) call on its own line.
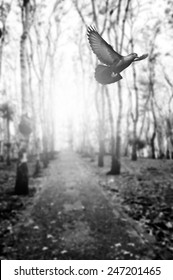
point(144, 123)
point(29, 32)
point(132, 115)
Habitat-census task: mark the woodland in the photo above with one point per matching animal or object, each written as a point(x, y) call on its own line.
point(50, 100)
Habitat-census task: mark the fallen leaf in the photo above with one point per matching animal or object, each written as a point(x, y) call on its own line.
point(36, 227)
point(125, 252)
point(118, 245)
point(49, 236)
point(169, 225)
point(44, 248)
point(54, 240)
point(131, 244)
point(63, 252)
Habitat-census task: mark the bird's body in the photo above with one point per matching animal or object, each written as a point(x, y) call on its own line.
point(123, 63)
point(114, 63)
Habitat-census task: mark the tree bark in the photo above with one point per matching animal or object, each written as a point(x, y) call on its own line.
point(134, 148)
point(153, 156)
point(154, 119)
point(111, 119)
point(8, 143)
point(101, 131)
point(116, 142)
point(22, 178)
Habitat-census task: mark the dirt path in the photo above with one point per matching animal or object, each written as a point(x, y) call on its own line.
point(71, 218)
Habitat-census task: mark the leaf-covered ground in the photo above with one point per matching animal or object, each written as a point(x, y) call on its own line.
point(75, 211)
point(12, 207)
point(145, 192)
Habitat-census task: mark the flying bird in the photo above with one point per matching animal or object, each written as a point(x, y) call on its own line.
point(114, 63)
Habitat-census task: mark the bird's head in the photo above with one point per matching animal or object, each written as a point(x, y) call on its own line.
point(130, 58)
point(133, 55)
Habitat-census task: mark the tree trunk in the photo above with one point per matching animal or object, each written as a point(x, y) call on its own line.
point(135, 118)
point(8, 160)
point(153, 156)
point(116, 162)
point(126, 148)
point(45, 157)
point(111, 120)
point(1, 52)
point(22, 177)
point(37, 164)
point(101, 131)
point(1, 48)
point(167, 154)
point(100, 112)
point(116, 143)
point(134, 148)
point(34, 126)
point(1, 151)
point(101, 147)
point(155, 124)
point(52, 140)
point(116, 154)
point(101, 154)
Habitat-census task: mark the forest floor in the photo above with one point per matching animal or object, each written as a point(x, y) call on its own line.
point(75, 211)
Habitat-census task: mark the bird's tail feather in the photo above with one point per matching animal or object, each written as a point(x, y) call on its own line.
point(104, 75)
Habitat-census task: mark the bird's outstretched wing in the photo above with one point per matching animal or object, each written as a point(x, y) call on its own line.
point(101, 48)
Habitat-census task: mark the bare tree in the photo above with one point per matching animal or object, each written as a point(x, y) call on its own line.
point(7, 114)
point(46, 47)
point(119, 22)
point(169, 119)
point(151, 66)
point(94, 8)
point(4, 12)
point(22, 178)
